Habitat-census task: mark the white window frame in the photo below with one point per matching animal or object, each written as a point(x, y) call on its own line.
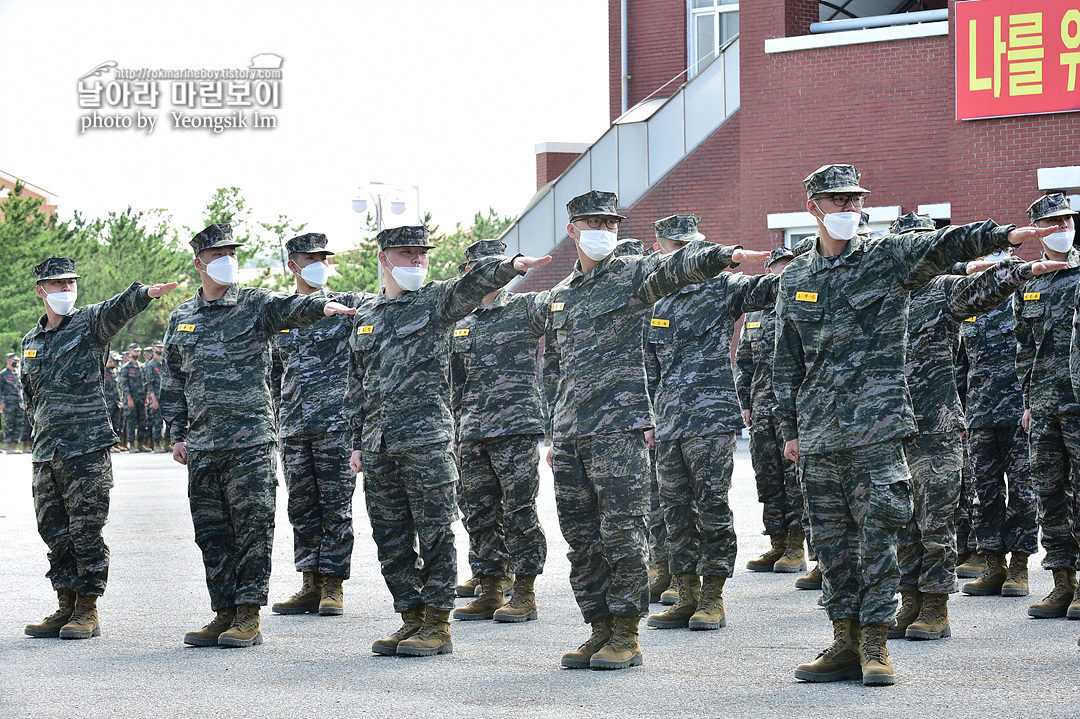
point(692, 13)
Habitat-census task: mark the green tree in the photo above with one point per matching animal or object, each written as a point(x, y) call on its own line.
point(268, 277)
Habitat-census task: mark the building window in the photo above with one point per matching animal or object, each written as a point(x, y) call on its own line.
point(713, 23)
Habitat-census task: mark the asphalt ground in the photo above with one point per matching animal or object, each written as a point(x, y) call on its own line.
point(998, 662)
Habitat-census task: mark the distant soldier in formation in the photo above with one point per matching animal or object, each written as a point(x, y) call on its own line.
point(111, 382)
point(152, 370)
point(16, 428)
point(133, 389)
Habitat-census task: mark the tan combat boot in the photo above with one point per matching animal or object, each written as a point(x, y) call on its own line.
point(484, 606)
point(331, 603)
point(412, 620)
point(305, 600)
point(810, 580)
point(1016, 584)
point(245, 629)
point(840, 660)
point(877, 669)
point(670, 595)
point(765, 562)
point(469, 587)
point(505, 585)
point(972, 567)
point(1056, 604)
point(432, 638)
point(522, 605)
point(990, 581)
point(908, 613)
point(622, 649)
point(208, 635)
point(933, 621)
point(660, 580)
point(580, 658)
point(84, 621)
point(710, 608)
point(49, 627)
point(1073, 612)
point(678, 616)
point(794, 557)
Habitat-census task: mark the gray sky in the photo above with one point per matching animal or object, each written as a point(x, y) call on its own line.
point(449, 95)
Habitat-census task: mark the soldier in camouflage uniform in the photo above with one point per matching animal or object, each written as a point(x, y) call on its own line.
point(16, 428)
point(927, 549)
point(315, 438)
point(398, 405)
point(844, 407)
point(133, 392)
point(697, 415)
point(1043, 313)
point(62, 375)
point(500, 414)
point(111, 383)
point(603, 423)
point(777, 481)
point(215, 397)
point(152, 370)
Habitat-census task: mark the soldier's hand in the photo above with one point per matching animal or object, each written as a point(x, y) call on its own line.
point(355, 462)
point(791, 450)
point(524, 264)
point(1025, 421)
point(979, 265)
point(650, 438)
point(746, 417)
point(551, 451)
point(1022, 234)
point(3, 407)
point(741, 256)
point(336, 308)
point(161, 290)
point(131, 402)
point(145, 401)
point(179, 452)
point(1041, 268)
point(156, 405)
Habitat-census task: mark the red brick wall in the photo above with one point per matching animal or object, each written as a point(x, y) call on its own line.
point(798, 14)
point(550, 165)
point(656, 46)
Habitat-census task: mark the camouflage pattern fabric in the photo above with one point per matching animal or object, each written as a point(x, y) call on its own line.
point(133, 387)
point(695, 478)
point(321, 486)
point(1055, 447)
point(654, 520)
point(213, 236)
point(994, 396)
point(232, 494)
point(62, 374)
point(410, 502)
point(829, 179)
point(135, 424)
point(133, 381)
point(1005, 515)
point(501, 480)
point(16, 428)
point(71, 501)
point(111, 381)
point(152, 374)
point(601, 494)
point(858, 500)
point(927, 545)
point(966, 539)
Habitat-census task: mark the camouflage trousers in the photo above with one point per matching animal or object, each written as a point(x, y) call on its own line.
point(71, 501)
point(602, 496)
point(1005, 516)
point(232, 494)
point(777, 480)
point(135, 422)
point(410, 502)
point(658, 551)
point(695, 479)
point(16, 428)
point(966, 539)
point(155, 423)
point(116, 419)
point(858, 500)
point(1055, 465)
point(501, 478)
point(321, 486)
point(927, 551)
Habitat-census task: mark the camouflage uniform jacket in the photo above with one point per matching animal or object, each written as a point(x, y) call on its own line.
point(10, 388)
point(994, 397)
point(754, 364)
point(841, 331)
point(1043, 313)
point(215, 394)
point(937, 311)
point(112, 387)
point(63, 370)
point(152, 376)
point(399, 363)
point(691, 334)
point(314, 362)
point(494, 368)
point(597, 321)
point(132, 381)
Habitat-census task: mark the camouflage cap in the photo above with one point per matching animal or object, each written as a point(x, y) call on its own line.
point(629, 247)
point(11, 356)
point(912, 222)
point(1052, 205)
point(407, 236)
point(116, 357)
point(159, 343)
point(780, 253)
point(134, 346)
point(311, 242)
point(212, 237)
point(833, 178)
point(681, 228)
point(56, 268)
point(484, 248)
point(594, 203)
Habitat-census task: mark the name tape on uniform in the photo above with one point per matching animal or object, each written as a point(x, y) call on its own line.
point(284, 332)
point(365, 330)
point(661, 323)
point(557, 306)
point(970, 319)
point(185, 328)
point(752, 325)
point(461, 333)
point(30, 354)
point(1028, 296)
point(806, 296)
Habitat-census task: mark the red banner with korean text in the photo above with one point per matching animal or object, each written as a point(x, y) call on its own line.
point(1017, 58)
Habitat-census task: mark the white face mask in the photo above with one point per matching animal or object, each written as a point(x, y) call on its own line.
point(223, 270)
point(1060, 241)
point(408, 278)
point(841, 225)
point(316, 274)
point(597, 244)
point(61, 302)
point(997, 256)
